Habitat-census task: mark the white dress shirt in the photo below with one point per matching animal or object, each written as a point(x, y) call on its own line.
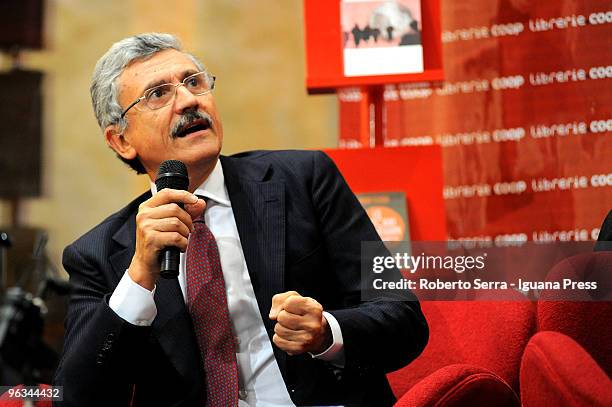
point(259, 377)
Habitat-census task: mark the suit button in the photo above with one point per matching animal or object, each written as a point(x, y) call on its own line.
point(242, 394)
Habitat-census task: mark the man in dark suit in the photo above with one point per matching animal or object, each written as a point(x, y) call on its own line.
point(284, 237)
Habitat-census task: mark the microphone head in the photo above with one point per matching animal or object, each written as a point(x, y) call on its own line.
point(172, 174)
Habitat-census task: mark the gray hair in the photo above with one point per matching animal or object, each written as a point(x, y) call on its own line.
point(104, 83)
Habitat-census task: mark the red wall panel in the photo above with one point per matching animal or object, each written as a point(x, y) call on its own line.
point(523, 117)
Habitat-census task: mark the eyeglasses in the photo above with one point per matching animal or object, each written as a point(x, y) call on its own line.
point(199, 83)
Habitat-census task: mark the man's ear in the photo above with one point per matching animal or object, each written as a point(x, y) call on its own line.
point(118, 142)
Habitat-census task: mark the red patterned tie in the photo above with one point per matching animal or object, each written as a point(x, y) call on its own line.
point(207, 303)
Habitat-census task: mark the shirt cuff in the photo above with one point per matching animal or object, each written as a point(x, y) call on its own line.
point(133, 302)
point(335, 353)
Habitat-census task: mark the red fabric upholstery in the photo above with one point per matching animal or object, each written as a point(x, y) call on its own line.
point(460, 385)
point(556, 371)
point(491, 335)
point(587, 321)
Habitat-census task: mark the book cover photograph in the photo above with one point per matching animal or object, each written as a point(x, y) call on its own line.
point(381, 37)
point(387, 211)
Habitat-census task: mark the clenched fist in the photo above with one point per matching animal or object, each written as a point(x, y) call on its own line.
point(300, 324)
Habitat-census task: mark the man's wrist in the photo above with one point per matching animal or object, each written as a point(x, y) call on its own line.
point(328, 338)
point(141, 276)
point(333, 354)
point(133, 303)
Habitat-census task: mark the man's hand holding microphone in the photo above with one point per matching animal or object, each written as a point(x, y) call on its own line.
point(162, 223)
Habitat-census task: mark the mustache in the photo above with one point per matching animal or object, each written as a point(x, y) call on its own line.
point(187, 119)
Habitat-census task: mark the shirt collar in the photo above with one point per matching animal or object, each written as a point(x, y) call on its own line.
point(212, 188)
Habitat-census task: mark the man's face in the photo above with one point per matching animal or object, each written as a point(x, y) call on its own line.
point(149, 132)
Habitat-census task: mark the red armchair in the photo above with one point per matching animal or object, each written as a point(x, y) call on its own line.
point(557, 371)
point(460, 385)
point(473, 345)
point(587, 318)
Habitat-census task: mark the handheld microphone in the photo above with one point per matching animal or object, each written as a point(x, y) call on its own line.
point(171, 174)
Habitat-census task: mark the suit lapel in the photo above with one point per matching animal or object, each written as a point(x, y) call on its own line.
point(126, 238)
point(172, 326)
point(259, 210)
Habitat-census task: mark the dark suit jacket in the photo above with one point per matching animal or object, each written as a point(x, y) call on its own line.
point(604, 240)
point(300, 227)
